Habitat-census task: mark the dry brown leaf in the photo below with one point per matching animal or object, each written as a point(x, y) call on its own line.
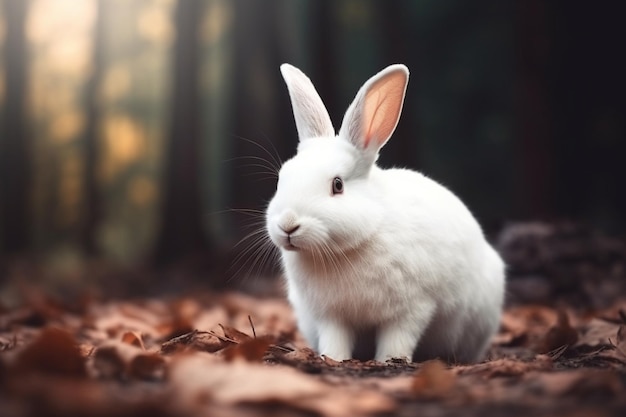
point(43, 307)
point(195, 340)
point(53, 352)
point(620, 341)
point(109, 363)
point(6, 343)
point(562, 334)
point(513, 322)
point(510, 339)
point(89, 398)
point(134, 339)
point(597, 333)
point(234, 335)
point(433, 380)
point(506, 367)
point(147, 367)
point(86, 349)
point(330, 361)
point(150, 312)
point(271, 316)
point(208, 318)
point(583, 382)
point(524, 325)
point(120, 360)
point(600, 383)
point(302, 354)
point(183, 313)
point(116, 319)
point(251, 350)
point(186, 309)
point(196, 377)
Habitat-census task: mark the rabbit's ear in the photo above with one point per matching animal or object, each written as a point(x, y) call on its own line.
point(312, 119)
point(373, 115)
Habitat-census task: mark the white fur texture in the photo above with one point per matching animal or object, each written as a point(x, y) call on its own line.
point(395, 252)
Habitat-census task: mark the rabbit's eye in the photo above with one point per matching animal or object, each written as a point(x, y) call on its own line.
point(337, 186)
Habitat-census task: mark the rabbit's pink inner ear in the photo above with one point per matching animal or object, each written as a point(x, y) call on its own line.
point(383, 105)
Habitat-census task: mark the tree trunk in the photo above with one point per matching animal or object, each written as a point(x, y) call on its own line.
point(399, 48)
point(14, 139)
point(533, 111)
point(324, 73)
point(181, 232)
point(256, 120)
point(91, 191)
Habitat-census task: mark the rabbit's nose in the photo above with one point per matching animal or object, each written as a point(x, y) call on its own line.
point(290, 228)
point(288, 222)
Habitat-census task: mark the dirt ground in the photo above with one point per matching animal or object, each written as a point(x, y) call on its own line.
point(561, 350)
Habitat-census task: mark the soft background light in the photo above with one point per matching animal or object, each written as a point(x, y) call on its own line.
point(127, 124)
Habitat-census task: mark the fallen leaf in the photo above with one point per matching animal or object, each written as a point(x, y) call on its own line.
point(506, 367)
point(147, 367)
point(194, 340)
point(234, 335)
point(562, 334)
point(208, 318)
point(598, 383)
point(302, 354)
point(183, 313)
point(118, 360)
point(134, 339)
point(186, 309)
point(432, 380)
point(597, 332)
point(115, 319)
point(582, 382)
point(252, 350)
point(6, 343)
point(620, 341)
point(108, 363)
point(330, 361)
point(53, 352)
point(56, 397)
point(200, 379)
point(86, 349)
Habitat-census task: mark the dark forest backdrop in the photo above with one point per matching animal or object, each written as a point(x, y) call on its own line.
point(125, 125)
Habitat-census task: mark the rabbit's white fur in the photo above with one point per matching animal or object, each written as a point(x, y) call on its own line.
point(394, 252)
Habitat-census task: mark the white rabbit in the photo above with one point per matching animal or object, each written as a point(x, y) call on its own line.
point(378, 251)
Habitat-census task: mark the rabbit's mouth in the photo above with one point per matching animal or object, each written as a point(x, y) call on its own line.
point(291, 247)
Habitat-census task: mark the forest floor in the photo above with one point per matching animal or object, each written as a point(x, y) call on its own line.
point(231, 354)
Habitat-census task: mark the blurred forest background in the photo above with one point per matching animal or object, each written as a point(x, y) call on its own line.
point(126, 126)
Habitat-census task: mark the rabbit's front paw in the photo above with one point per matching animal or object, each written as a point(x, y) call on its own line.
point(336, 341)
point(395, 342)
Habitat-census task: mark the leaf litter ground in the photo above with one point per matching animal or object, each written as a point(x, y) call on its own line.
point(227, 354)
point(233, 354)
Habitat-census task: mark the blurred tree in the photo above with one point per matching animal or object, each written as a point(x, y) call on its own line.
point(324, 73)
point(533, 110)
point(585, 74)
point(15, 158)
point(91, 189)
point(401, 46)
point(181, 230)
point(257, 121)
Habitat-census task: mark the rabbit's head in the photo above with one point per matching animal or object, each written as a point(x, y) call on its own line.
point(325, 201)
